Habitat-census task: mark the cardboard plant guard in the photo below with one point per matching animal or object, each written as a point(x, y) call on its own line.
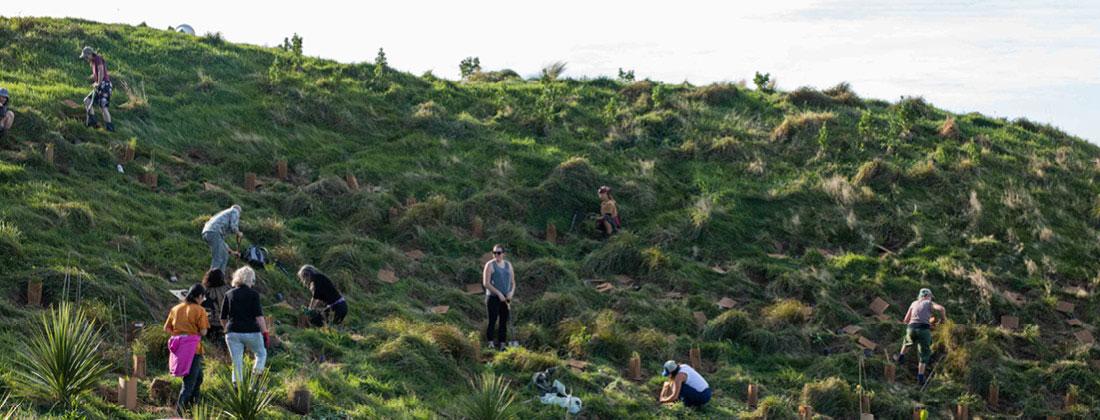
point(752, 396)
point(387, 276)
point(301, 401)
point(34, 293)
point(250, 182)
point(127, 393)
point(1064, 307)
point(726, 303)
point(805, 412)
point(696, 357)
point(281, 171)
point(889, 372)
point(700, 318)
point(993, 395)
point(962, 412)
point(635, 368)
point(1009, 322)
point(139, 366)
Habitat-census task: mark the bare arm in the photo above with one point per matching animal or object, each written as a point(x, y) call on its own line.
point(677, 384)
point(485, 275)
point(263, 325)
point(511, 281)
point(943, 311)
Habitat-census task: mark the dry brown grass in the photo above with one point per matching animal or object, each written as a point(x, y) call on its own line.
point(950, 128)
point(795, 123)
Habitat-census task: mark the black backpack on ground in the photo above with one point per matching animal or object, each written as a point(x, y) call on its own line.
point(255, 256)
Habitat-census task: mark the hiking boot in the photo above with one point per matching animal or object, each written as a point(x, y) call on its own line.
point(920, 379)
point(2, 132)
point(90, 121)
point(900, 359)
point(111, 127)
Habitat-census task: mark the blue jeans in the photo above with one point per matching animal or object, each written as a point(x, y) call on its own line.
point(219, 251)
point(191, 384)
point(237, 343)
point(693, 398)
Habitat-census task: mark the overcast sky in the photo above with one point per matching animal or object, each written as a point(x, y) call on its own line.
point(1038, 59)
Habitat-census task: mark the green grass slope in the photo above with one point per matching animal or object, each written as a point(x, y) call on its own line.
point(801, 206)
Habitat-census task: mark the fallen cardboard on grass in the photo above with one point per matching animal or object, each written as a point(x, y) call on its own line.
point(851, 329)
point(1085, 337)
point(878, 306)
point(577, 365)
point(1014, 298)
point(727, 303)
point(604, 287)
point(387, 276)
point(1064, 307)
point(474, 288)
point(866, 343)
point(415, 254)
point(440, 310)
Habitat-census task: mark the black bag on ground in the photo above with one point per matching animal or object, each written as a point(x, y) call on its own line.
point(255, 256)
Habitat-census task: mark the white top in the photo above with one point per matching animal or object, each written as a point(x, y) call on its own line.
point(694, 379)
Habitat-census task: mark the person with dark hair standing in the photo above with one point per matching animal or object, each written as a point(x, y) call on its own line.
point(101, 89)
point(187, 323)
point(499, 280)
point(324, 295)
point(216, 288)
point(608, 223)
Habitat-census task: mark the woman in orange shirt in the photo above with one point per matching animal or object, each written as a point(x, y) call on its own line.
point(187, 323)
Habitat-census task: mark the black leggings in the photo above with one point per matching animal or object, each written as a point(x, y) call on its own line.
point(498, 314)
point(339, 311)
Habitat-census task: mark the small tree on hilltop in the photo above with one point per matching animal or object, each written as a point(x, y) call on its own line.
point(626, 76)
point(469, 66)
point(380, 63)
point(764, 82)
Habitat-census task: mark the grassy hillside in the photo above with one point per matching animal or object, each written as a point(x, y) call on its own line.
point(801, 206)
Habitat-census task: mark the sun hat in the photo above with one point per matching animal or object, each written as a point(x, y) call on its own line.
point(924, 292)
point(86, 52)
point(670, 366)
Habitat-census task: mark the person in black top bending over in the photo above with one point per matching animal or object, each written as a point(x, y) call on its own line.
point(324, 294)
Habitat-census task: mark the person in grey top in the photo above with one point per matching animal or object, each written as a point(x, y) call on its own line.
point(214, 232)
point(918, 332)
point(499, 280)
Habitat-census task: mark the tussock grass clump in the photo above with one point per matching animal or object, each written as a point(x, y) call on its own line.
point(876, 173)
point(726, 147)
point(808, 96)
point(843, 192)
point(635, 90)
point(491, 204)
point(328, 188)
point(549, 310)
point(265, 230)
point(786, 312)
point(494, 76)
point(715, 94)
point(521, 359)
point(570, 187)
point(809, 122)
point(730, 325)
point(11, 239)
point(842, 93)
point(299, 204)
point(74, 214)
point(418, 359)
point(538, 275)
point(621, 255)
point(608, 340)
point(451, 342)
point(833, 397)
